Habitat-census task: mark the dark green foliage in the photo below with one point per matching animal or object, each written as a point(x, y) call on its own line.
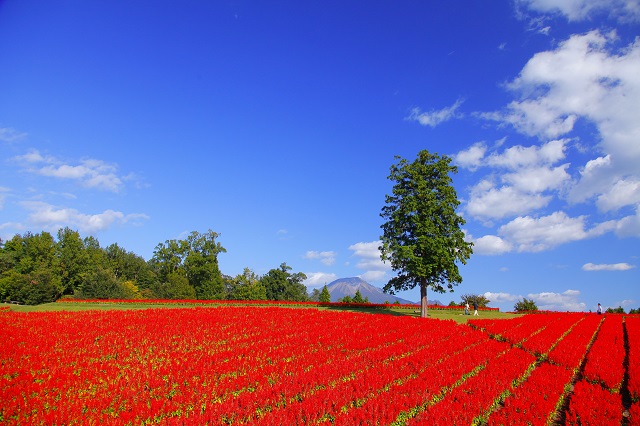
point(280, 284)
point(618, 310)
point(35, 268)
point(525, 305)
point(357, 298)
point(247, 286)
point(100, 283)
point(30, 271)
point(325, 296)
point(176, 286)
point(482, 301)
point(422, 236)
point(73, 258)
point(196, 258)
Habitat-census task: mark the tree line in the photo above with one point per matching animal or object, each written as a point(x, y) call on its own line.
point(38, 268)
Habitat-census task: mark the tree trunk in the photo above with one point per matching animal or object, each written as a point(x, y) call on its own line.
point(423, 298)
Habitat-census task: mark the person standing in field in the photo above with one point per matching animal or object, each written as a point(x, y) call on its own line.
point(466, 308)
point(599, 311)
point(475, 308)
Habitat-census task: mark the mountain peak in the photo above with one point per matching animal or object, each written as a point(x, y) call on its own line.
point(348, 286)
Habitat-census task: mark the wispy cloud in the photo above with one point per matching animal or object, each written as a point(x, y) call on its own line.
point(579, 10)
point(52, 218)
point(433, 118)
point(319, 279)
point(369, 256)
point(9, 135)
point(3, 195)
point(566, 301)
point(607, 267)
point(90, 173)
point(326, 257)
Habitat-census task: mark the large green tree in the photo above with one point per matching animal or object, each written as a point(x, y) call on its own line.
point(195, 258)
point(280, 284)
point(247, 286)
point(30, 269)
point(128, 266)
point(73, 258)
point(480, 299)
point(422, 236)
point(525, 305)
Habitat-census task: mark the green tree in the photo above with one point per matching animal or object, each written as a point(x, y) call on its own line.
point(482, 301)
point(618, 310)
point(280, 284)
point(73, 258)
point(315, 295)
point(422, 236)
point(357, 298)
point(197, 259)
point(175, 286)
point(346, 299)
point(325, 296)
point(128, 266)
point(101, 283)
point(30, 269)
point(634, 311)
point(525, 305)
point(247, 286)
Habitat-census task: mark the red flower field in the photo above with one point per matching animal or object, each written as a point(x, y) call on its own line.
point(287, 366)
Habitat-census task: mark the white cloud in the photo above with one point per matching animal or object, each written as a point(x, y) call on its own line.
point(487, 201)
point(369, 255)
point(622, 193)
point(90, 173)
point(585, 78)
point(607, 267)
point(519, 156)
point(491, 245)
point(471, 158)
point(629, 226)
point(530, 234)
point(374, 276)
point(596, 177)
point(628, 303)
point(579, 10)
point(9, 135)
point(51, 218)
point(435, 117)
point(502, 297)
point(530, 174)
point(566, 301)
point(326, 257)
point(319, 279)
point(538, 179)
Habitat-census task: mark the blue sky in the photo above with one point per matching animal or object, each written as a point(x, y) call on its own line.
point(275, 123)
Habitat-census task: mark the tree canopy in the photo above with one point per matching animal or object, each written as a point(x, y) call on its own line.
point(422, 236)
point(525, 305)
point(280, 284)
point(37, 268)
point(480, 299)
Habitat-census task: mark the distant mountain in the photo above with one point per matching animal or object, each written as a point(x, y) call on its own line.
point(348, 286)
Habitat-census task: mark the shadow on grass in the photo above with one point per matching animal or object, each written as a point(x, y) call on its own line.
point(373, 310)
